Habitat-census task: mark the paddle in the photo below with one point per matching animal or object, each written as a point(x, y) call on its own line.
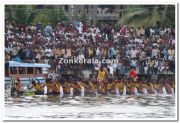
point(117, 90)
point(164, 91)
point(45, 90)
point(155, 92)
point(135, 91)
point(71, 92)
point(124, 90)
point(61, 92)
point(96, 92)
point(172, 89)
point(145, 91)
point(82, 91)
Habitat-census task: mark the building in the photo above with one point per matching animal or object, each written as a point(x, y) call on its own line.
point(94, 13)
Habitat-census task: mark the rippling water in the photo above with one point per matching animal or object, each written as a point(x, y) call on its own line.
point(100, 107)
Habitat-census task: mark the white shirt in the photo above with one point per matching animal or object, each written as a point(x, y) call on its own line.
point(111, 69)
point(68, 52)
point(133, 53)
point(48, 51)
point(97, 51)
point(156, 63)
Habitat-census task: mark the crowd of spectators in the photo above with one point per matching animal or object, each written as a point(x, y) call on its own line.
point(149, 50)
point(104, 10)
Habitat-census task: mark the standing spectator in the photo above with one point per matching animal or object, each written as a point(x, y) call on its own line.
point(134, 53)
point(151, 66)
point(132, 74)
point(142, 31)
point(111, 53)
point(171, 54)
point(165, 53)
point(123, 30)
point(147, 32)
point(156, 65)
point(155, 52)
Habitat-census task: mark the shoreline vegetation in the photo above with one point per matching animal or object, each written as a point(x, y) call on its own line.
point(131, 15)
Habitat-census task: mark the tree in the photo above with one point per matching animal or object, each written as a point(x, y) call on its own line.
point(26, 14)
point(148, 15)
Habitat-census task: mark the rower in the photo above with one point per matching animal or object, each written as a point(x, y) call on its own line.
point(77, 86)
point(36, 86)
point(49, 85)
point(56, 86)
point(95, 85)
point(128, 87)
point(66, 86)
point(101, 80)
point(136, 88)
point(120, 86)
point(90, 87)
point(109, 86)
point(83, 85)
point(101, 75)
point(140, 88)
point(117, 88)
point(18, 84)
point(137, 85)
point(172, 87)
point(160, 86)
point(113, 88)
point(101, 87)
point(156, 87)
point(149, 88)
point(168, 87)
point(144, 85)
point(131, 86)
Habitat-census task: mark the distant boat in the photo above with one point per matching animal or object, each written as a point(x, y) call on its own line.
point(25, 72)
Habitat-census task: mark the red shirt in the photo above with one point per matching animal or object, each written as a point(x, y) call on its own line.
point(132, 73)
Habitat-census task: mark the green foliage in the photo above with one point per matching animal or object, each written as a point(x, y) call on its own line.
point(23, 14)
point(28, 93)
point(133, 15)
point(42, 18)
point(146, 16)
point(133, 18)
point(83, 16)
point(155, 16)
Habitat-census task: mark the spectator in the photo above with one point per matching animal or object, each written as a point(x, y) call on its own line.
point(153, 49)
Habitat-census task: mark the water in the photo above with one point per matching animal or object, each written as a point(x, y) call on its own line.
point(97, 107)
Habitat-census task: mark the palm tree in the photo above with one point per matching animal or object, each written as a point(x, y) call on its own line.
point(45, 14)
point(147, 16)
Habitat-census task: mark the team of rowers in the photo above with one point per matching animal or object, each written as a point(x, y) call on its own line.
point(102, 87)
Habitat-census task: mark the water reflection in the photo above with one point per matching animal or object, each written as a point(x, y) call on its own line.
point(101, 107)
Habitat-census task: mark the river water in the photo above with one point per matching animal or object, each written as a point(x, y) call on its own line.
point(90, 108)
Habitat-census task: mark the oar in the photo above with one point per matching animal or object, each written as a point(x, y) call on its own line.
point(124, 90)
point(45, 90)
point(117, 90)
point(61, 92)
point(71, 92)
point(155, 92)
point(145, 91)
point(135, 91)
point(82, 91)
point(108, 93)
point(172, 89)
point(12, 86)
point(96, 92)
point(164, 91)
